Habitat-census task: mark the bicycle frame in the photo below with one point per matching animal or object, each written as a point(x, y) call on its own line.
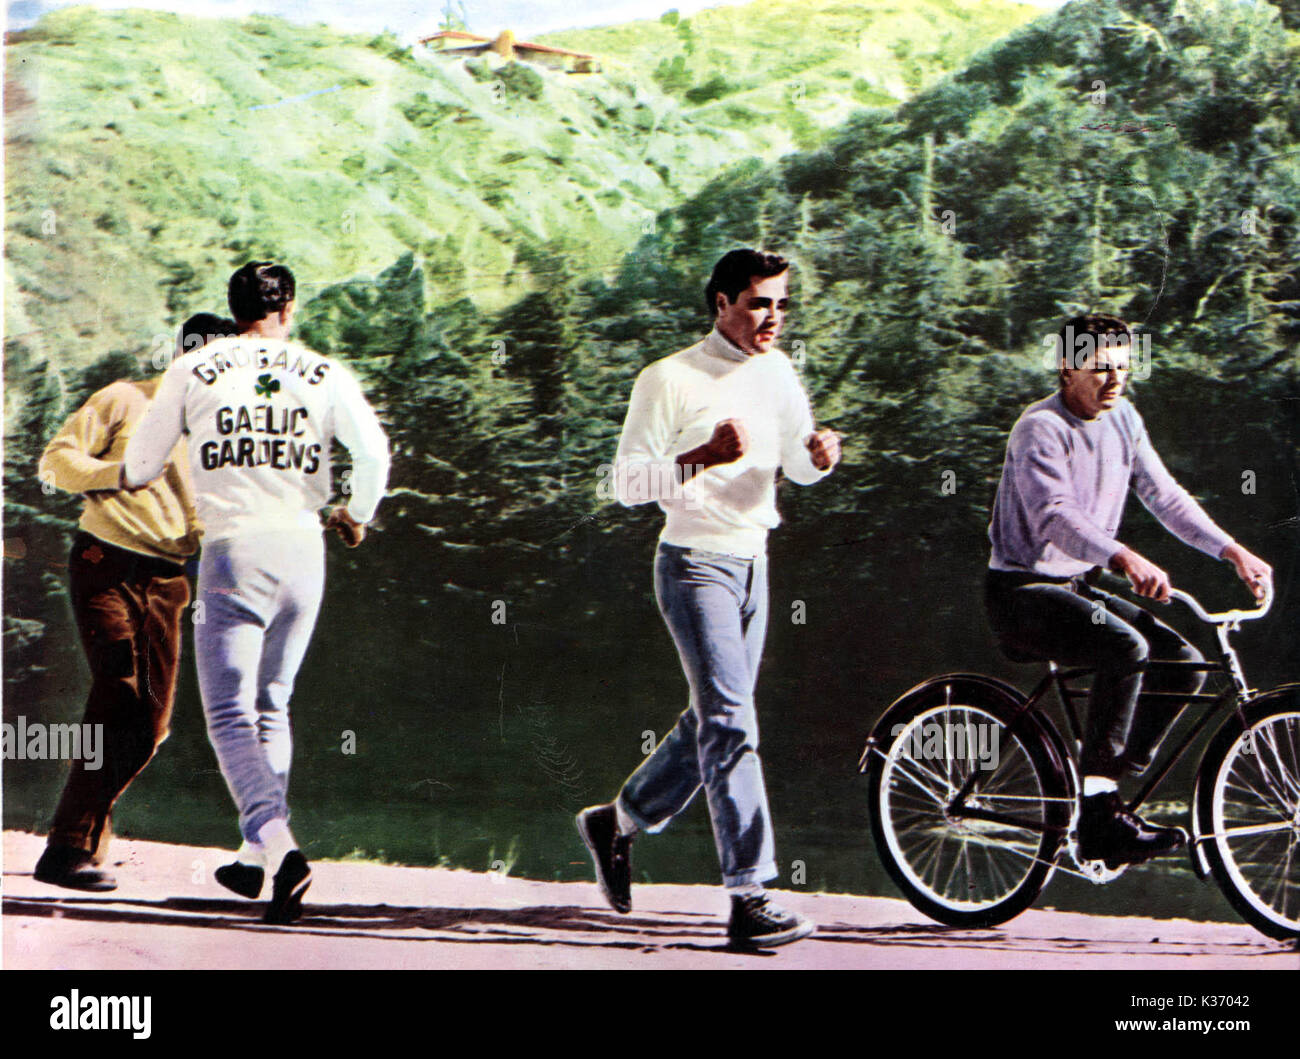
point(1235, 696)
point(1159, 771)
point(971, 839)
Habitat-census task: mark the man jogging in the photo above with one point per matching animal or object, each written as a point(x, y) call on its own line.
point(707, 429)
point(1070, 461)
point(261, 413)
point(128, 587)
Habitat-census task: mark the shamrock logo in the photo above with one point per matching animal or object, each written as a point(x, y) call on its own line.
point(266, 385)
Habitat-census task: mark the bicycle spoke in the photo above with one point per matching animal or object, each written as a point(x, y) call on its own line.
point(1282, 876)
point(923, 770)
point(956, 863)
point(1287, 781)
point(1243, 830)
point(1036, 799)
point(963, 862)
point(929, 865)
point(1261, 796)
point(921, 813)
point(1256, 837)
point(903, 775)
point(1003, 881)
point(1001, 778)
point(1273, 886)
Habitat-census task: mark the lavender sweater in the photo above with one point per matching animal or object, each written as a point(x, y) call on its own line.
point(1063, 489)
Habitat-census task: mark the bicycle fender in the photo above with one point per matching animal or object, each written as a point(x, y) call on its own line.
point(1229, 729)
point(882, 732)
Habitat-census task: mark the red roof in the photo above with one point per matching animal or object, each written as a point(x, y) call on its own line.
point(454, 33)
point(458, 35)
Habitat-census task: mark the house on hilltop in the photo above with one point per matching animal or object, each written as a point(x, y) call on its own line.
point(457, 44)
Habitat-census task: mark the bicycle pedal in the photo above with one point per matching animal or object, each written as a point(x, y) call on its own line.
point(1097, 872)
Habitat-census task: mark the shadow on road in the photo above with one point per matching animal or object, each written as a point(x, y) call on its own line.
point(578, 927)
point(542, 925)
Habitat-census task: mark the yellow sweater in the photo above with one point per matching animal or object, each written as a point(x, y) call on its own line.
point(86, 457)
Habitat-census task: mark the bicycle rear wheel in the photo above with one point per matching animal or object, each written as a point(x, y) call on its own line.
point(961, 869)
point(1250, 811)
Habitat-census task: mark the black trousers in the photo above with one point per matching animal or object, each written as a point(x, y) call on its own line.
point(1070, 622)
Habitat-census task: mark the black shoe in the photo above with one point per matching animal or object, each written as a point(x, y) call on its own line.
point(1110, 833)
point(290, 883)
point(610, 852)
point(72, 868)
point(243, 879)
point(757, 922)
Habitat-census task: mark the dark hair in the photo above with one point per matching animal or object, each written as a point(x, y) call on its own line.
point(202, 328)
point(1098, 325)
point(259, 289)
point(736, 270)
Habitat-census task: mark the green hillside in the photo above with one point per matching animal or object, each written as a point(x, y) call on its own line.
point(164, 166)
point(786, 70)
point(148, 154)
point(936, 244)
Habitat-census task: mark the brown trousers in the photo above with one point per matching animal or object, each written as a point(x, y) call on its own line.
point(128, 610)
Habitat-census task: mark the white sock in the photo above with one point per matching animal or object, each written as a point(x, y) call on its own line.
point(626, 825)
point(1098, 785)
point(277, 840)
point(252, 854)
point(745, 890)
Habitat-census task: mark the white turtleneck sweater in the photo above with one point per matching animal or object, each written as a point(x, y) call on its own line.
point(676, 402)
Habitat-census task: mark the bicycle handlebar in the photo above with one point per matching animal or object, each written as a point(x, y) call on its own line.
point(1227, 617)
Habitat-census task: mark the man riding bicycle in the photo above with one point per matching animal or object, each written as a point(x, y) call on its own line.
point(1070, 460)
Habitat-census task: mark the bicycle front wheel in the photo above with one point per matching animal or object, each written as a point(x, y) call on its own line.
point(1250, 813)
point(968, 806)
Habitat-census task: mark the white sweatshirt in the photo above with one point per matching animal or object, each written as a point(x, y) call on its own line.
point(675, 404)
point(261, 414)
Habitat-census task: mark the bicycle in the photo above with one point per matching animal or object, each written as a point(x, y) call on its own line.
point(973, 842)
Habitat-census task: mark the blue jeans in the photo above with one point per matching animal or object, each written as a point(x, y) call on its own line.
point(715, 607)
point(260, 597)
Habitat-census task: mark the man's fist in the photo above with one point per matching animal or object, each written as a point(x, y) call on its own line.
point(1147, 578)
point(824, 448)
point(352, 531)
point(729, 442)
point(1257, 574)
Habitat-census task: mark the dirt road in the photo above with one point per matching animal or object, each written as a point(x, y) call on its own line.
point(168, 913)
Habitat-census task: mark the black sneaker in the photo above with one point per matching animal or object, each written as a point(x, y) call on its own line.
point(757, 922)
point(290, 883)
point(1110, 833)
point(610, 852)
point(72, 868)
point(244, 879)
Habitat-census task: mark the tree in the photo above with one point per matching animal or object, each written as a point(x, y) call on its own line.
point(454, 17)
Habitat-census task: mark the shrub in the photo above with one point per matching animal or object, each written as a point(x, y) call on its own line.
point(521, 80)
point(714, 88)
